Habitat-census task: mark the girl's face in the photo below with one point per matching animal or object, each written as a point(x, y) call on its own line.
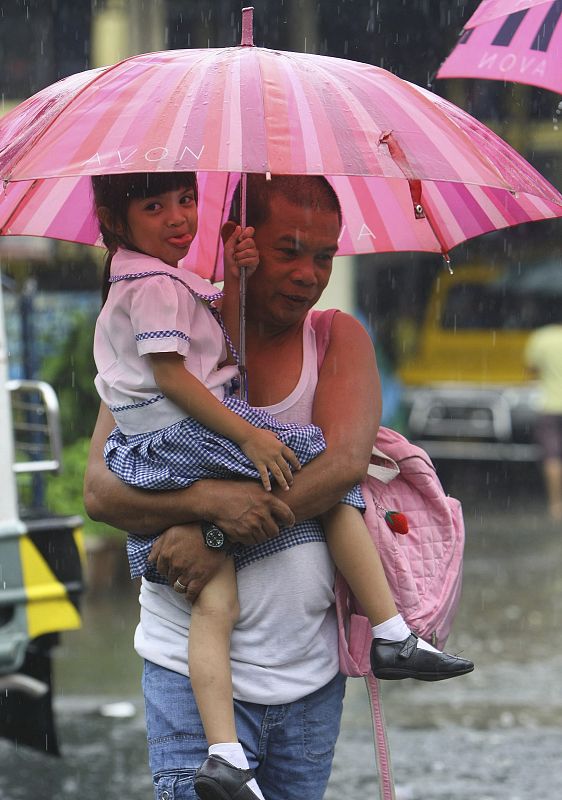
point(163, 225)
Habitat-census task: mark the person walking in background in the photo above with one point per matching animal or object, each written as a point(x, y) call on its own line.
point(543, 359)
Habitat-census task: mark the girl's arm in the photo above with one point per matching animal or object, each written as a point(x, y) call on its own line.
point(262, 447)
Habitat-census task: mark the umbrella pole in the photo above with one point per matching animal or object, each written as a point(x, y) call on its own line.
point(242, 311)
point(247, 41)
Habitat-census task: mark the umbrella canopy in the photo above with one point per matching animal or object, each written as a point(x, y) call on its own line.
point(378, 214)
point(511, 40)
point(413, 171)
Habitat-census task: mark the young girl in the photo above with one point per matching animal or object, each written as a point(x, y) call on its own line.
point(160, 354)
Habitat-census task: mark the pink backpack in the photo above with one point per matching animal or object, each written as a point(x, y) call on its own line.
point(423, 566)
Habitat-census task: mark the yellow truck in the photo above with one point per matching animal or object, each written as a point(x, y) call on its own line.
point(466, 391)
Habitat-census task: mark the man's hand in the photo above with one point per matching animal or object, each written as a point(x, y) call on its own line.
point(180, 554)
point(248, 514)
point(242, 509)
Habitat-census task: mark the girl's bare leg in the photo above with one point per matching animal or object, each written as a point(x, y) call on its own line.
point(359, 562)
point(213, 616)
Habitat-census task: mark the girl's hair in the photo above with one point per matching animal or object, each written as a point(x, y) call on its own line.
point(115, 192)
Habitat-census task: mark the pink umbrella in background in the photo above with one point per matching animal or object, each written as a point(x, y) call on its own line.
point(511, 40)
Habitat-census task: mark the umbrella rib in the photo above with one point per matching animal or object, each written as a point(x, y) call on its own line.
point(415, 184)
point(262, 99)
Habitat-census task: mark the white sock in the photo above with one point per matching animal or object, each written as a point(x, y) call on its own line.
point(393, 629)
point(396, 630)
point(233, 752)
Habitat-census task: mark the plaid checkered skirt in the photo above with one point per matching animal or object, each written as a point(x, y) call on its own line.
point(177, 456)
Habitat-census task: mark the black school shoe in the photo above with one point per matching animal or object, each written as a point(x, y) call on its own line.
point(216, 779)
point(394, 661)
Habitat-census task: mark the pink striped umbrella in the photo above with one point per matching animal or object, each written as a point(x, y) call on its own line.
point(413, 171)
point(511, 40)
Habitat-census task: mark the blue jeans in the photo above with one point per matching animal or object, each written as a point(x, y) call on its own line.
point(290, 746)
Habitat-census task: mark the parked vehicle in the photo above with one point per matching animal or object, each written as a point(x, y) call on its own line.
point(41, 558)
point(466, 391)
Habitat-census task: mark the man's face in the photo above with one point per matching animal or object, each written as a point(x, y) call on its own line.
point(296, 247)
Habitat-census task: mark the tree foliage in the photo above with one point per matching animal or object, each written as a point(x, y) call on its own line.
point(64, 492)
point(71, 371)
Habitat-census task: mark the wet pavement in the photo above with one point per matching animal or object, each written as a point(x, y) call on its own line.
point(492, 735)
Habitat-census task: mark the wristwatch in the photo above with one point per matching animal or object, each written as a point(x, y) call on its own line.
point(214, 538)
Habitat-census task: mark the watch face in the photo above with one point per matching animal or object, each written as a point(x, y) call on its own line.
point(214, 537)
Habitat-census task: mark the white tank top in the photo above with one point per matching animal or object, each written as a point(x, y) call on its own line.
point(284, 645)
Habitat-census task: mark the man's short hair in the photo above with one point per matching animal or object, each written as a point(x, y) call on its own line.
point(303, 191)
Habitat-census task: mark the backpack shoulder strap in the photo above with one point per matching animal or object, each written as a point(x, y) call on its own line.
point(382, 749)
point(321, 322)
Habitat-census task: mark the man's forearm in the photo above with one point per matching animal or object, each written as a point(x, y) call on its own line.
point(107, 499)
point(323, 482)
point(244, 510)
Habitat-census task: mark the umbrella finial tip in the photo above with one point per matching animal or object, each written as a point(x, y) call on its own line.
point(247, 27)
